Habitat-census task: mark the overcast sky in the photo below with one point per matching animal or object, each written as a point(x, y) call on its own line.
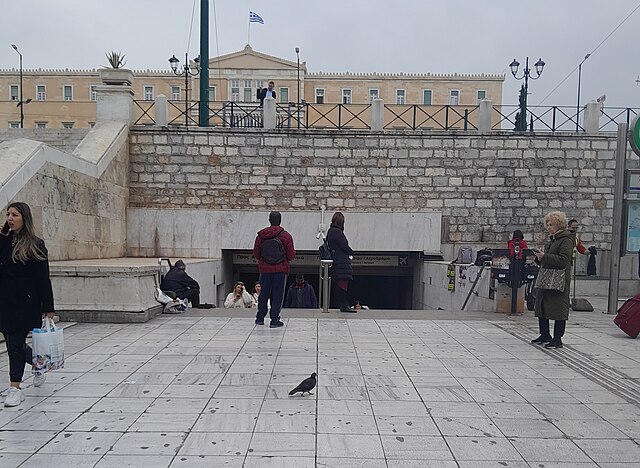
point(417, 36)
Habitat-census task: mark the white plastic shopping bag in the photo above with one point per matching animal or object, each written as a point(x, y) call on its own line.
point(48, 347)
point(161, 297)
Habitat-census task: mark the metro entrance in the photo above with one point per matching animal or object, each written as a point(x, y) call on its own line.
point(380, 280)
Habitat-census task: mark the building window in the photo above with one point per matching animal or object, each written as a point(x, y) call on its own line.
point(454, 97)
point(14, 124)
point(41, 92)
point(284, 94)
point(93, 93)
point(319, 95)
point(373, 94)
point(175, 93)
point(14, 92)
point(212, 93)
point(92, 124)
point(260, 85)
point(41, 124)
point(247, 92)
point(400, 96)
point(148, 93)
point(67, 124)
point(426, 97)
point(67, 92)
point(235, 90)
point(346, 96)
point(481, 95)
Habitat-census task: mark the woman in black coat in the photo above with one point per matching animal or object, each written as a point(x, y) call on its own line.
point(25, 289)
point(341, 271)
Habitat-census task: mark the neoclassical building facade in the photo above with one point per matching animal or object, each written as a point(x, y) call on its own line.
point(67, 98)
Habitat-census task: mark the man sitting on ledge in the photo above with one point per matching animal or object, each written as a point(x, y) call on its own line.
point(182, 285)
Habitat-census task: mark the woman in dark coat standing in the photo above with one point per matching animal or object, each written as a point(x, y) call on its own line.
point(554, 305)
point(25, 289)
point(341, 271)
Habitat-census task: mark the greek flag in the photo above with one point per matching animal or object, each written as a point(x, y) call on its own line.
point(255, 18)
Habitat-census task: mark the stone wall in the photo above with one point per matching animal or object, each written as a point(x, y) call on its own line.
point(485, 186)
point(63, 139)
point(78, 215)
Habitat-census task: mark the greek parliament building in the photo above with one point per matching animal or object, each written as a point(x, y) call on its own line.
point(67, 98)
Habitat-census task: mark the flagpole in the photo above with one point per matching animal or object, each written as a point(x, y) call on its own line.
point(249, 31)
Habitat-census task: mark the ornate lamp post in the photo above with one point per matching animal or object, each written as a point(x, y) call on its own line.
point(21, 103)
point(521, 117)
point(578, 101)
point(187, 70)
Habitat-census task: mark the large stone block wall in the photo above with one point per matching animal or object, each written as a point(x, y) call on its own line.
point(485, 186)
point(80, 216)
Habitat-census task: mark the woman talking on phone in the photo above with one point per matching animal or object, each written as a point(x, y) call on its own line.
point(26, 293)
point(552, 300)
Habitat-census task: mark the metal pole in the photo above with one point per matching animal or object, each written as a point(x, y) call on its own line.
point(203, 106)
point(298, 106)
point(324, 265)
point(578, 101)
point(579, 81)
point(21, 99)
point(186, 89)
point(515, 279)
point(526, 91)
point(616, 234)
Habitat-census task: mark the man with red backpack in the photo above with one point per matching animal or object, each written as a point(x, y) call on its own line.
point(274, 250)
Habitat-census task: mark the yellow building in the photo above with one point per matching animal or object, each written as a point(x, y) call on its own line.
point(66, 98)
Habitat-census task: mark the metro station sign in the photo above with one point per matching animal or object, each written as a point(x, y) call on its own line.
point(634, 137)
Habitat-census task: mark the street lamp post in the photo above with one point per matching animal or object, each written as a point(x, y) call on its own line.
point(521, 117)
point(298, 106)
point(187, 71)
point(21, 103)
point(578, 101)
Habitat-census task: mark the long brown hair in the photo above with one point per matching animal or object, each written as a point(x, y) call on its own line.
point(338, 219)
point(27, 244)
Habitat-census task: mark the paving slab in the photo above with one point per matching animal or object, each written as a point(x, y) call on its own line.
point(395, 390)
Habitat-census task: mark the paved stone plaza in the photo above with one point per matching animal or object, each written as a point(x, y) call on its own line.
point(424, 389)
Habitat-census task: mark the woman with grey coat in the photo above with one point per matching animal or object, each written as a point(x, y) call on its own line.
point(554, 305)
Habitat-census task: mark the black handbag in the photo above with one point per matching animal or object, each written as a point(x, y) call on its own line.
point(550, 280)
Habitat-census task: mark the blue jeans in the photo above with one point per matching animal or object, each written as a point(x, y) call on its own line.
point(272, 285)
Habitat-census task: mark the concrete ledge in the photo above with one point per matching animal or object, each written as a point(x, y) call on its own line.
point(110, 316)
point(114, 290)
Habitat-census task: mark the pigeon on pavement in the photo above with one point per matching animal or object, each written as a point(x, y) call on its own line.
point(305, 386)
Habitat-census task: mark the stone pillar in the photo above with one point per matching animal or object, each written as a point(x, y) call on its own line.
point(115, 103)
point(377, 115)
point(591, 119)
point(269, 113)
point(484, 116)
point(162, 111)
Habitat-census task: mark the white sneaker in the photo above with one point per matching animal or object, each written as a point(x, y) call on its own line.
point(14, 397)
point(38, 379)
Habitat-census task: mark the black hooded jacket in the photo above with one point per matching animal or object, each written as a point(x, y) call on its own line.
point(341, 268)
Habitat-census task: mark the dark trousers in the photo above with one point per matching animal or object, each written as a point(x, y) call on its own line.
point(192, 295)
point(339, 294)
point(272, 285)
point(558, 327)
point(19, 354)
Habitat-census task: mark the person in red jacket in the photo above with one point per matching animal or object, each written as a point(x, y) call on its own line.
point(573, 227)
point(274, 250)
point(517, 239)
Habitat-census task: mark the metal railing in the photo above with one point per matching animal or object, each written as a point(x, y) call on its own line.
point(417, 117)
point(396, 116)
